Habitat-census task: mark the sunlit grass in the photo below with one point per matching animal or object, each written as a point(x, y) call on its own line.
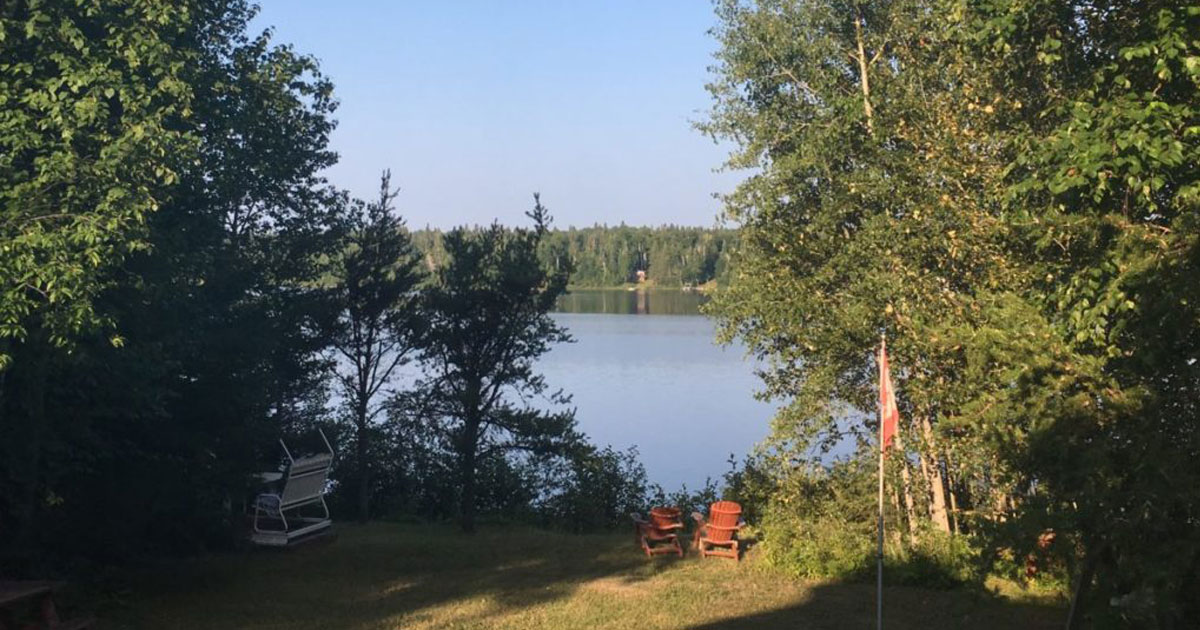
point(406, 576)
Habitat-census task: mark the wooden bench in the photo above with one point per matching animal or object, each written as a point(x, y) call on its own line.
point(30, 605)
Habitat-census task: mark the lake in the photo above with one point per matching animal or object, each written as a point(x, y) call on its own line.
point(645, 372)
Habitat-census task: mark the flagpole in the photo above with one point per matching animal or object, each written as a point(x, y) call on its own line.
point(879, 554)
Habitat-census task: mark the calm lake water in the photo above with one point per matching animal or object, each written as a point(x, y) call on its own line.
point(645, 372)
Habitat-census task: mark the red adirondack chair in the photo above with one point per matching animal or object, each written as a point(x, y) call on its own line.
point(717, 535)
point(660, 534)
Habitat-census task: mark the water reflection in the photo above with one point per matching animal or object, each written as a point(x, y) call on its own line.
point(632, 302)
point(659, 383)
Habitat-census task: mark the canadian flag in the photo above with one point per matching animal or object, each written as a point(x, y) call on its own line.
point(889, 416)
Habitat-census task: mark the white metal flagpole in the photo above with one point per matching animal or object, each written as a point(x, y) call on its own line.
point(879, 554)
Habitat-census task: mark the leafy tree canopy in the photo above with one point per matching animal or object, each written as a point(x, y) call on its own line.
point(1007, 190)
point(89, 92)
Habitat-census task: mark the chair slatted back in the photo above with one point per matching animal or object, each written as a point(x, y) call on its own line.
point(723, 518)
point(306, 480)
point(664, 517)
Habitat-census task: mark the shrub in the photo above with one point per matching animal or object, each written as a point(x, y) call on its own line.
point(591, 489)
point(687, 501)
point(936, 560)
point(820, 522)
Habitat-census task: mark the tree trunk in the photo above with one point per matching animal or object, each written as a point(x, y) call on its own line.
point(909, 510)
point(864, 75)
point(906, 487)
point(897, 537)
point(364, 469)
point(1000, 505)
point(1088, 572)
point(467, 456)
point(953, 499)
point(932, 469)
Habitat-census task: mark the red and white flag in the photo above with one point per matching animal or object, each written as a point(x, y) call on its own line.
point(889, 416)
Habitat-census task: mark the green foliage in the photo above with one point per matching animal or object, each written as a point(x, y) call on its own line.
point(935, 560)
point(1104, 167)
point(488, 319)
point(91, 97)
point(415, 473)
point(687, 501)
point(819, 548)
point(752, 484)
point(589, 490)
point(1008, 189)
point(111, 452)
point(822, 524)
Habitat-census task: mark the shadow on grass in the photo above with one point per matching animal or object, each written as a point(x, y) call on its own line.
point(380, 575)
point(405, 576)
point(850, 605)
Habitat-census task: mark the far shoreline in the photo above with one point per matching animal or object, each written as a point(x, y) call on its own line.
point(703, 288)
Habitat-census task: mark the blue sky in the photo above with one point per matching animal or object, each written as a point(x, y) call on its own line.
point(474, 105)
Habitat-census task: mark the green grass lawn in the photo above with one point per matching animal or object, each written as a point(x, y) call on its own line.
point(386, 575)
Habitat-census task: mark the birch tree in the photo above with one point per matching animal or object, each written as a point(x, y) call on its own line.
point(865, 215)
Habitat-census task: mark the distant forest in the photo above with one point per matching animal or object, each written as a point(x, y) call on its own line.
point(603, 256)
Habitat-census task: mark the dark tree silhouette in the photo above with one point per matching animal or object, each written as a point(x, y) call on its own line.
point(489, 319)
point(377, 326)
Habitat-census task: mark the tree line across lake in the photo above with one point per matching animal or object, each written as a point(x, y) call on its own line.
point(611, 256)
